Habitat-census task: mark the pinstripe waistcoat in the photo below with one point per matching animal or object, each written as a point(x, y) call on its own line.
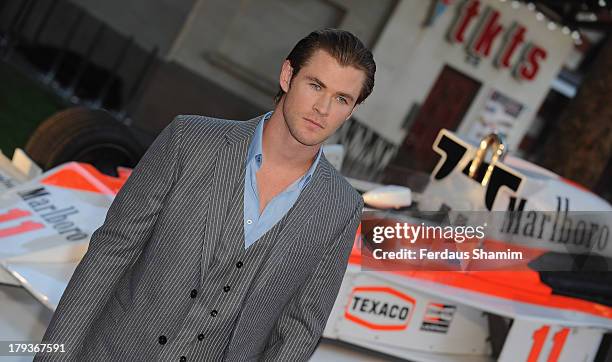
point(166, 277)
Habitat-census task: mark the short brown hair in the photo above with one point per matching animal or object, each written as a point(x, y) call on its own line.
point(345, 47)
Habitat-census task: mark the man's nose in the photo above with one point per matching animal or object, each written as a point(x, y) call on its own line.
point(322, 105)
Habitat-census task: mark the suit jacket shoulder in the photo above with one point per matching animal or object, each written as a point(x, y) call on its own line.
point(201, 137)
point(201, 128)
point(341, 189)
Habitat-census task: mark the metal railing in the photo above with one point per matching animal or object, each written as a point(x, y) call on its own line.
point(366, 152)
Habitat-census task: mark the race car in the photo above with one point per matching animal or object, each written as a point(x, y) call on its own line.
point(543, 306)
point(46, 220)
point(443, 311)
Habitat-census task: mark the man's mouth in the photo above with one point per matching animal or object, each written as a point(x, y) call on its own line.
point(313, 122)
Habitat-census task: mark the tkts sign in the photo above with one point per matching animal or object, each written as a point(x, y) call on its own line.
point(480, 41)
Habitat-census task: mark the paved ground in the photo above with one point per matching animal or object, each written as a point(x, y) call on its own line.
point(329, 351)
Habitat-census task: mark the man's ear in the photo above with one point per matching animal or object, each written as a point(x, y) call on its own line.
point(285, 75)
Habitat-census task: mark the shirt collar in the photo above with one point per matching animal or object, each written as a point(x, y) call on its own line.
point(256, 152)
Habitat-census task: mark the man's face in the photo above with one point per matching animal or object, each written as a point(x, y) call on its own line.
point(319, 98)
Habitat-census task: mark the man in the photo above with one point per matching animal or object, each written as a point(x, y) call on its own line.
point(230, 239)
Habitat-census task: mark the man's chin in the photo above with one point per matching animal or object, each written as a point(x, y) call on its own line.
point(306, 136)
point(309, 141)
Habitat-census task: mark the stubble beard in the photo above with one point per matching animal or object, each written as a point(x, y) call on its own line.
point(292, 125)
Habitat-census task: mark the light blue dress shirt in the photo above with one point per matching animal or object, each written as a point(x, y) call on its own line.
point(256, 225)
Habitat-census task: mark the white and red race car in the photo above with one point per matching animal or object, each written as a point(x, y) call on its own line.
point(517, 313)
point(533, 310)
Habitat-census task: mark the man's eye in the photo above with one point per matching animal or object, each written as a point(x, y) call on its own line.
point(315, 86)
point(342, 100)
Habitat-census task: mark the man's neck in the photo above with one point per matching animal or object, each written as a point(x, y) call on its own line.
point(281, 148)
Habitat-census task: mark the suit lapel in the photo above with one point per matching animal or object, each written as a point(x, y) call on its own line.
point(305, 207)
point(227, 174)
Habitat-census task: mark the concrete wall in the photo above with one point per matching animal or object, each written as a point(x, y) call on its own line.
point(240, 45)
point(151, 22)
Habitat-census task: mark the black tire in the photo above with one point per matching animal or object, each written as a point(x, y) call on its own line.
point(86, 135)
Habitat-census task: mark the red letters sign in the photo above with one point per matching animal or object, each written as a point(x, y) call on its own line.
point(488, 29)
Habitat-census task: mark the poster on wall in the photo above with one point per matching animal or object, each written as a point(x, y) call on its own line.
point(499, 115)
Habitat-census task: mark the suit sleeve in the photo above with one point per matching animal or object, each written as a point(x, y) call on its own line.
point(300, 325)
point(115, 245)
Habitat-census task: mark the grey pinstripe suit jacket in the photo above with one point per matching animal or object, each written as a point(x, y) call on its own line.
point(129, 277)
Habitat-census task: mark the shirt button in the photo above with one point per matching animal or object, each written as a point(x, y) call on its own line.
point(162, 339)
point(226, 288)
point(249, 221)
point(200, 337)
point(183, 359)
point(239, 264)
point(194, 293)
point(213, 313)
